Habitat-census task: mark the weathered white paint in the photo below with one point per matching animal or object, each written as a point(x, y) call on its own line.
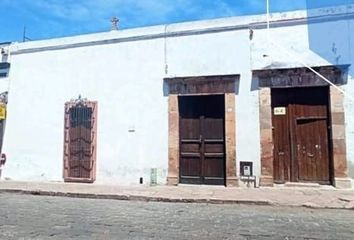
point(349, 105)
point(125, 80)
point(124, 71)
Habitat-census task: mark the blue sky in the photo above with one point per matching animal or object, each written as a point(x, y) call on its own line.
point(58, 18)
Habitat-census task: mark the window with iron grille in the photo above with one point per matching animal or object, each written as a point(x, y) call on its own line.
point(80, 141)
point(4, 69)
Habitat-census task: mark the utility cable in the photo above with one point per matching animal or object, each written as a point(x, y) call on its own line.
point(297, 58)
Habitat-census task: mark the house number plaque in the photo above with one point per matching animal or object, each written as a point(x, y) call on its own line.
point(280, 111)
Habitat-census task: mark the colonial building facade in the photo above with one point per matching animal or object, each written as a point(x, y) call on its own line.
point(208, 102)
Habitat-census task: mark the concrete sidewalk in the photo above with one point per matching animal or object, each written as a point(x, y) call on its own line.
point(322, 197)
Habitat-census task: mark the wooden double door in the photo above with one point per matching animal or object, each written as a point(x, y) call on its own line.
point(301, 123)
point(202, 139)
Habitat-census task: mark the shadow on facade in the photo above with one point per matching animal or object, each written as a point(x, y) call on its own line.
point(332, 37)
point(351, 169)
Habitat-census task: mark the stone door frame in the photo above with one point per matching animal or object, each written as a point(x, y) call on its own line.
point(302, 77)
point(208, 85)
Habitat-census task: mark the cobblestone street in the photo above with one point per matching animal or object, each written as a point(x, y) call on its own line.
point(38, 217)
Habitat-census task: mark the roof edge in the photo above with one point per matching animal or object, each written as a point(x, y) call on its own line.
point(188, 28)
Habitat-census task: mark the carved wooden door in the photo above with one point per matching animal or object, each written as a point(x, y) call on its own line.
point(80, 141)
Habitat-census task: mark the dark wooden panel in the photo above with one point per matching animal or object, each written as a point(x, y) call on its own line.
point(187, 147)
point(214, 147)
point(301, 142)
point(200, 85)
point(202, 144)
point(213, 167)
point(191, 130)
point(80, 142)
point(312, 150)
point(214, 170)
point(213, 143)
point(190, 167)
point(310, 129)
point(282, 152)
point(301, 77)
point(214, 128)
point(281, 136)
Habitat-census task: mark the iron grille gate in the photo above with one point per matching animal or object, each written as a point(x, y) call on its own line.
point(80, 141)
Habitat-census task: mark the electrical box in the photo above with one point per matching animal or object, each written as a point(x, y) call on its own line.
point(153, 176)
point(246, 169)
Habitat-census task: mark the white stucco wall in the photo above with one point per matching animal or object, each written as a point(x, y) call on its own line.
point(349, 103)
point(126, 78)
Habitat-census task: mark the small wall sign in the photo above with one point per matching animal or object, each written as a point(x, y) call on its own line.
point(2, 111)
point(246, 169)
point(280, 111)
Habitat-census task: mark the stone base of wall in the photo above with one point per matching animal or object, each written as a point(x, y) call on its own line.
point(343, 183)
point(266, 181)
point(172, 181)
point(232, 182)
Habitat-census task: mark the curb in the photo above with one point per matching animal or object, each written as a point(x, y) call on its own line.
point(137, 198)
point(166, 199)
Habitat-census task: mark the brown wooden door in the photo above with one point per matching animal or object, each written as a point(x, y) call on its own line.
point(80, 141)
point(311, 150)
point(300, 133)
point(80, 150)
point(281, 136)
point(202, 143)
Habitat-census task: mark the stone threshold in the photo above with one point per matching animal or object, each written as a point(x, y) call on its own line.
point(304, 185)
